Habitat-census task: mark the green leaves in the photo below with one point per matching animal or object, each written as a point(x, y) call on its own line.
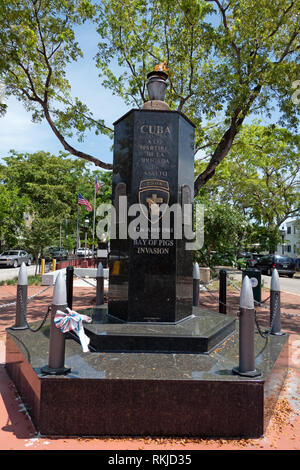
point(224, 234)
point(260, 178)
point(45, 187)
point(37, 41)
point(226, 61)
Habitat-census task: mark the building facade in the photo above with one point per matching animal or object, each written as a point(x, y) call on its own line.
point(290, 245)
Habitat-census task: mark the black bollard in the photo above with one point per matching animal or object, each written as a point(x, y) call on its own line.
point(100, 286)
point(21, 305)
point(275, 305)
point(57, 338)
point(196, 284)
point(222, 291)
point(246, 366)
point(69, 285)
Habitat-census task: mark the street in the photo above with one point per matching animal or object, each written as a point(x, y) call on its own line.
point(10, 273)
point(291, 286)
point(288, 285)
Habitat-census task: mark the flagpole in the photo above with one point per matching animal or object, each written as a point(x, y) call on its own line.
point(94, 219)
point(77, 229)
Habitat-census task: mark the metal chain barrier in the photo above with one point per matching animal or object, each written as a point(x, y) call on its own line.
point(258, 304)
point(234, 285)
point(83, 279)
point(34, 330)
point(7, 305)
point(10, 304)
point(210, 282)
point(234, 309)
point(38, 293)
point(266, 333)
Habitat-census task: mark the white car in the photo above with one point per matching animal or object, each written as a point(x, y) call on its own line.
point(86, 253)
point(14, 258)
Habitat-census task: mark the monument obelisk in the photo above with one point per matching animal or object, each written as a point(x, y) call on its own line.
point(150, 279)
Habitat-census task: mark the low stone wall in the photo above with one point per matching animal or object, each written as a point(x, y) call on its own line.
point(204, 274)
point(49, 278)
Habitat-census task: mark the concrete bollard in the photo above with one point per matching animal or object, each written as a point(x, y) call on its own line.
point(21, 305)
point(222, 291)
point(275, 305)
point(100, 286)
point(196, 284)
point(69, 285)
point(57, 338)
point(246, 336)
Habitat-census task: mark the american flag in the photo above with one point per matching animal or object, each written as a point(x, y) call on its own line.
point(84, 202)
point(97, 185)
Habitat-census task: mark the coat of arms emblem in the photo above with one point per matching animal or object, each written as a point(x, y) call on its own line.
point(152, 194)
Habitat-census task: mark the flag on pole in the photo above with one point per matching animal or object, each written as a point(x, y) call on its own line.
point(97, 185)
point(84, 202)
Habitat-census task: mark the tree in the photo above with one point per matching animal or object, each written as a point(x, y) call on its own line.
point(261, 175)
point(226, 61)
point(12, 220)
point(224, 234)
point(261, 178)
point(37, 41)
point(40, 234)
point(50, 182)
point(46, 187)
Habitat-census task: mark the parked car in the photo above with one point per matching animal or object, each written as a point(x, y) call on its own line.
point(56, 252)
point(60, 253)
point(14, 258)
point(251, 263)
point(283, 264)
point(84, 252)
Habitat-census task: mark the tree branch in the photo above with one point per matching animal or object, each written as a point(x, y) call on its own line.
point(226, 142)
point(69, 148)
point(287, 48)
point(281, 20)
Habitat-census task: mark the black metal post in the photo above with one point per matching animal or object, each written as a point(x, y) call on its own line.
point(222, 291)
point(100, 286)
point(69, 285)
point(196, 285)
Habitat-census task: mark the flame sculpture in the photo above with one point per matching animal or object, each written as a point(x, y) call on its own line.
point(162, 67)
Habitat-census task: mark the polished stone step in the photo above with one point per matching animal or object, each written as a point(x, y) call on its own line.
point(199, 333)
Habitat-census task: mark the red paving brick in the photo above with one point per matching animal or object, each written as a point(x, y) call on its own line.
point(18, 433)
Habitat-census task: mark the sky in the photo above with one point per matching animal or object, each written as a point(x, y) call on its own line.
point(18, 132)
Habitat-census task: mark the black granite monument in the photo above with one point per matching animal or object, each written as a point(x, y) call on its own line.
point(151, 276)
point(178, 386)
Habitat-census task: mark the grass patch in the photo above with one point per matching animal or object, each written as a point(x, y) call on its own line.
point(32, 281)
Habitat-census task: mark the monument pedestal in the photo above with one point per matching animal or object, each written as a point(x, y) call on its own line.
point(157, 366)
point(150, 394)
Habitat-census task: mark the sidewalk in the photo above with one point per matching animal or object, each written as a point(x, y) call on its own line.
point(18, 433)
